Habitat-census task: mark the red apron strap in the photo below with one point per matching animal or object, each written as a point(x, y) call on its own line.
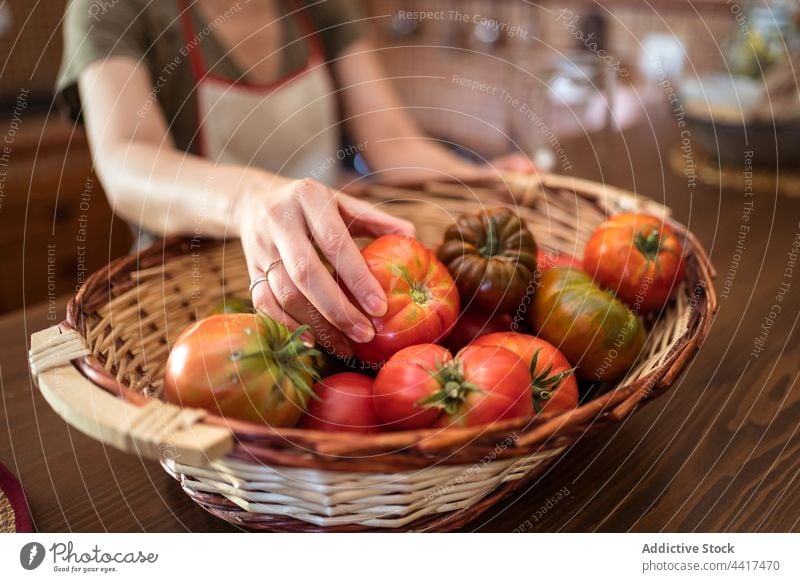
point(192, 41)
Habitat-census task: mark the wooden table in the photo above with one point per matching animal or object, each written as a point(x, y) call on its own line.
point(719, 452)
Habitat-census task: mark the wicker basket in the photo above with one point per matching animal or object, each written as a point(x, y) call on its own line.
point(102, 370)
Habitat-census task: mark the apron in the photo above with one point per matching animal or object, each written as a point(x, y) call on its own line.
point(288, 126)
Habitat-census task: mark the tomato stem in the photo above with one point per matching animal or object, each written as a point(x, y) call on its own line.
point(490, 246)
point(649, 244)
point(453, 390)
point(543, 385)
point(420, 294)
point(289, 353)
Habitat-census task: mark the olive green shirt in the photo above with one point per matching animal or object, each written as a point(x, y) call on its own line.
point(150, 31)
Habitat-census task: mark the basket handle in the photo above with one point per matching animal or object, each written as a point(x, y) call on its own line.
point(156, 430)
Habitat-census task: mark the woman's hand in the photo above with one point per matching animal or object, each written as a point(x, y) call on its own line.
point(278, 229)
point(514, 162)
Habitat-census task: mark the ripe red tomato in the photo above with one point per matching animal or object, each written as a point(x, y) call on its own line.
point(638, 257)
point(407, 378)
point(243, 365)
point(552, 380)
point(484, 385)
point(423, 300)
point(424, 385)
point(472, 324)
point(548, 258)
point(343, 404)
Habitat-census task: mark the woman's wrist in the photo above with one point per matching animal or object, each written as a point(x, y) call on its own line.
point(254, 185)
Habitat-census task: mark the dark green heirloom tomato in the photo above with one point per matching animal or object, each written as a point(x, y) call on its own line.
point(592, 328)
point(493, 257)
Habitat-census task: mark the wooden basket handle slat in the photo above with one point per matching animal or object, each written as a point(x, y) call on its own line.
point(154, 431)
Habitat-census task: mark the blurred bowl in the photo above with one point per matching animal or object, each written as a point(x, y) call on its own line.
point(718, 115)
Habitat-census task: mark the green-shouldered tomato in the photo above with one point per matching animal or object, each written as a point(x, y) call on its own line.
point(592, 328)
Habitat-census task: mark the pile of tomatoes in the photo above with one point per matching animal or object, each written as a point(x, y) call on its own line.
point(487, 328)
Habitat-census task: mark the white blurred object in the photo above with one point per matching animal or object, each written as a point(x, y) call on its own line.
point(582, 100)
point(544, 159)
point(573, 80)
point(662, 55)
point(5, 18)
point(570, 91)
point(620, 109)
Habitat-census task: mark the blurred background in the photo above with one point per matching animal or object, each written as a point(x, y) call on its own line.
point(564, 82)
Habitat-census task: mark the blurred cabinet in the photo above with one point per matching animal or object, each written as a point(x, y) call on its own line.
point(56, 226)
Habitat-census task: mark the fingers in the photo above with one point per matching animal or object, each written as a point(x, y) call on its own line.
point(472, 172)
point(493, 170)
point(295, 303)
point(514, 162)
point(264, 300)
point(292, 301)
point(300, 289)
point(364, 218)
point(335, 242)
point(311, 280)
point(296, 314)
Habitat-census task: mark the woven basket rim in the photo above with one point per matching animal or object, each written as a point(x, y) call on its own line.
point(255, 439)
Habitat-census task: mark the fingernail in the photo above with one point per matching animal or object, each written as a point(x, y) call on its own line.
point(362, 333)
point(376, 305)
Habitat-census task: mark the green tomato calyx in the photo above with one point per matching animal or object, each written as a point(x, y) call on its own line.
point(649, 243)
point(543, 385)
point(491, 245)
point(286, 352)
point(420, 294)
point(453, 389)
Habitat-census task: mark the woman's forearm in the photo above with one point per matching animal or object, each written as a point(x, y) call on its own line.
point(396, 148)
point(411, 155)
point(169, 192)
point(148, 180)
point(393, 143)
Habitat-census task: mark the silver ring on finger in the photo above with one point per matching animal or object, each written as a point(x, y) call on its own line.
point(256, 282)
point(272, 265)
point(266, 275)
